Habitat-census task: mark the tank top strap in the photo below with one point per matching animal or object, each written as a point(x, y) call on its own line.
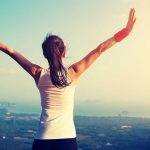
point(41, 74)
point(67, 69)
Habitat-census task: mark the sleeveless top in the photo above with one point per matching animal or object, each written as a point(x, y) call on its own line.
point(56, 120)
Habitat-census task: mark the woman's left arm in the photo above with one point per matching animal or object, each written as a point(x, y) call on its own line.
point(31, 68)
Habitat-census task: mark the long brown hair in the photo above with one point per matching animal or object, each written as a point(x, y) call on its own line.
point(53, 48)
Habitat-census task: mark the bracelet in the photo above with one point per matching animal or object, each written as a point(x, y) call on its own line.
point(119, 36)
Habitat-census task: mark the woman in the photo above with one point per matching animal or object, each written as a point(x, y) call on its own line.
point(56, 84)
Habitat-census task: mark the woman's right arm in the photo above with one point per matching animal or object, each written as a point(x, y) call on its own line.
point(28, 66)
point(81, 66)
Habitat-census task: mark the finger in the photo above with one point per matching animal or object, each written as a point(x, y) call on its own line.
point(132, 11)
point(134, 20)
point(133, 14)
point(130, 14)
point(133, 23)
point(131, 19)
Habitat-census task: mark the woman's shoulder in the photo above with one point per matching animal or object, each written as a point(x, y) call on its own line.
point(38, 74)
point(72, 75)
point(69, 69)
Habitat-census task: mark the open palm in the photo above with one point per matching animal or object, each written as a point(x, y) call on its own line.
point(131, 20)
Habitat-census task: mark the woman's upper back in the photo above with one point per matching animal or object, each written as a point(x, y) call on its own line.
point(53, 97)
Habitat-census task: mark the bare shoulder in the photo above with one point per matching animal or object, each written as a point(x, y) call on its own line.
point(72, 74)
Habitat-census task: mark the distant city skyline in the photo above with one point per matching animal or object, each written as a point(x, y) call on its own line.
point(119, 78)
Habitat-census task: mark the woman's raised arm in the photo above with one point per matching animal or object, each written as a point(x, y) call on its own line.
point(31, 68)
point(79, 67)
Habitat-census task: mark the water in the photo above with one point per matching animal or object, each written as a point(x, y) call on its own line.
point(84, 109)
point(30, 108)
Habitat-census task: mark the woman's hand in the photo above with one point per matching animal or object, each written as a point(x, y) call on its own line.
point(79, 67)
point(131, 20)
point(119, 36)
point(5, 48)
point(2, 46)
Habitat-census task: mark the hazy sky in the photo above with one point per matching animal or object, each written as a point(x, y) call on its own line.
point(121, 76)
